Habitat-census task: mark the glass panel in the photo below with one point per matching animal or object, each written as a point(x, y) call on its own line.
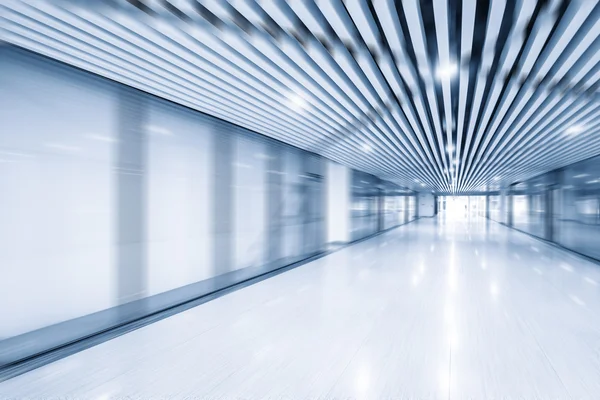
point(178, 198)
point(57, 184)
point(292, 219)
point(578, 209)
point(250, 230)
point(412, 208)
point(495, 208)
point(365, 205)
point(313, 204)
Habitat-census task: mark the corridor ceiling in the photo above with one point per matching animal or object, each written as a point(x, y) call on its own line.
point(450, 96)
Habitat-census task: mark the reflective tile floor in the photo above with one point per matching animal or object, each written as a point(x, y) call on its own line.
point(432, 310)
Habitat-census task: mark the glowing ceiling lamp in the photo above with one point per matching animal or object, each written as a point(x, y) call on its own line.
point(446, 71)
point(297, 102)
point(573, 130)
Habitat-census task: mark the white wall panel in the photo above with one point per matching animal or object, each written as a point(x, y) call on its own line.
point(292, 204)
point(56, 194)
point(249, 182)
point(338, 202)
point(426, 205)
point(179, 198)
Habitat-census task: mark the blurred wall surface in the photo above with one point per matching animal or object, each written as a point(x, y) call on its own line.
point(116, 204)
point(59, 135)
point(338, 203)
point(377, 205)
point(426, 205)
point(365, 205)
point(561, 206)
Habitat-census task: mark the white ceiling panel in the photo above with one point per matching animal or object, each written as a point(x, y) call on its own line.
point(451, 96)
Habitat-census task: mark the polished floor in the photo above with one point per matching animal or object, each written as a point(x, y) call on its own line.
point(436, 309)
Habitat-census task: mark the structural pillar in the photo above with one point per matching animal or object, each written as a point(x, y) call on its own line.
point(274, 202)
point(223, 201)
point(131, 170)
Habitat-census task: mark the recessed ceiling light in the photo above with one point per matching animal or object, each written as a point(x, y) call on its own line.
point(581, 175)
point(572, 130)
point(446, 71)
point(298, 103)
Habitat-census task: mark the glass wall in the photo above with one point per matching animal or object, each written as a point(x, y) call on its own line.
point(313, 204)
point(495, 208)
point(479, 205)
point(57, 190)
point(412, 208)
point(116, 204)
point(394, 205)
point(291, 203)
point(365, 205)
point(562, 206)
point(520, 207)
point(378, 205)
point(249, 183)
point(529, 206)
point(576, 208)
point(179, 169)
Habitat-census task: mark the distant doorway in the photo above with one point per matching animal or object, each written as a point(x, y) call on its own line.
point(457, 207)
point(463, 207)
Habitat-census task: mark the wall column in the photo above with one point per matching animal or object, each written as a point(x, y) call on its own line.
point(504, 206)
point(131, 165)
point(338, 203)
point(313, 212)
point(274, 203)
point(223, 202)
point(509, 209)
point(425, 204)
